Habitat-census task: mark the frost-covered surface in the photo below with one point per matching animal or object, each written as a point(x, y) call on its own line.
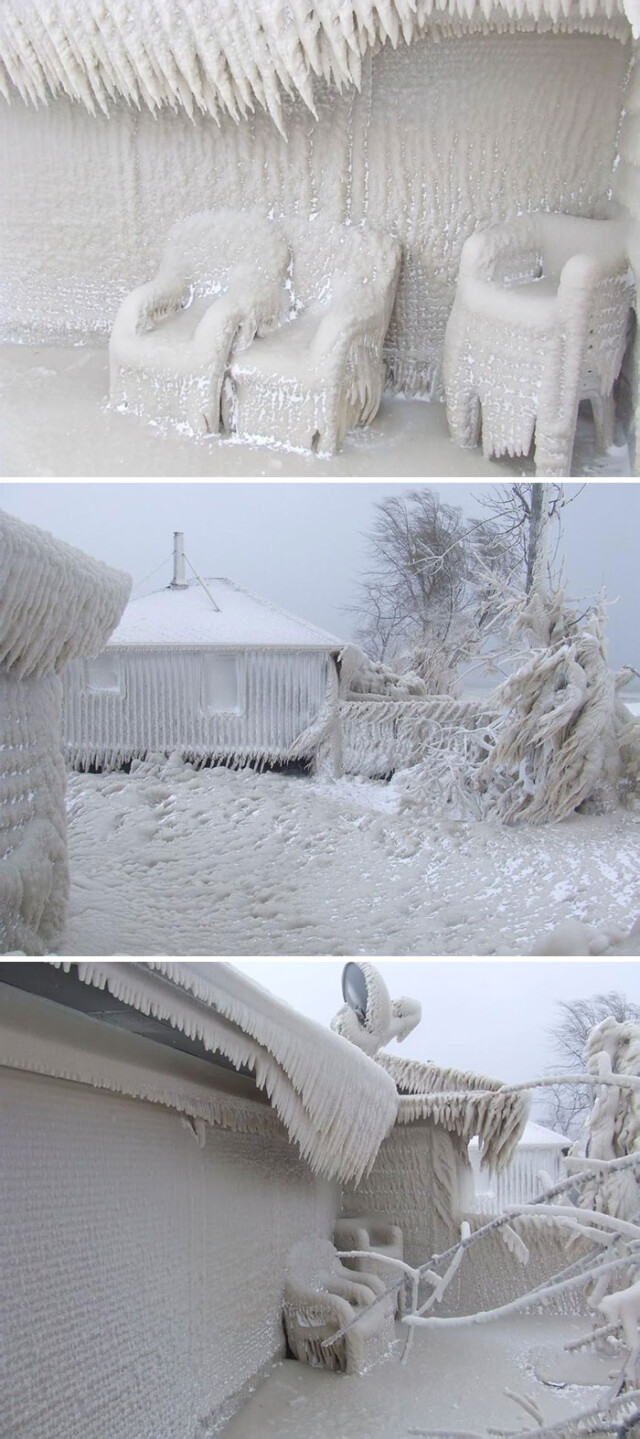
point(538, 324)
point(145, 1270)
point(188, 619)
point(54, 421)
point(382, 156)
point(167, 860)
point(322, 1295)
point(55, 603)
point(221, 57)
point(319, 1086)
point(614, 1123)
point(321, 374)
point(451, 1382)
point(221, 282)
point(441, 1095)
point(627, 191)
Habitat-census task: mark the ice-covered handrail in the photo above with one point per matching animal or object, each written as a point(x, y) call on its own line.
point(56, 603)
point(450, 1098)
point(214, 56)
point(334, 1102)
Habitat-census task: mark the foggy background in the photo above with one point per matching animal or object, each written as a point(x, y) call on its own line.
point(303, 544)
point(488, 1016)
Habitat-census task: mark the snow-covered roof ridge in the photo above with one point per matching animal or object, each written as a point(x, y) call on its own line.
point(55, 601)
point(216, 56)
point(334, 1102)
point(497, 1119)
point(186, 617)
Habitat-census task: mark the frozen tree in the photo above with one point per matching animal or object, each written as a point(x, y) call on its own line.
point(431, 593)
point(528, 518)
point(567, 1106)
point(596, 1210)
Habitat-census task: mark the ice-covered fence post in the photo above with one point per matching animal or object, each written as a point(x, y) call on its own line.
point(335, 723)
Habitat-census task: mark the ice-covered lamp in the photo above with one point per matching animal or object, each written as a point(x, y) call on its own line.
point(369, 1017)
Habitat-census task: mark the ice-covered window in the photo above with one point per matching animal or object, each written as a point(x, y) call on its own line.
point(219, 682)
point(103, 674)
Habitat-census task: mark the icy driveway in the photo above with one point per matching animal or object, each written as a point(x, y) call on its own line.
point(454, 1380)
point(175, 861)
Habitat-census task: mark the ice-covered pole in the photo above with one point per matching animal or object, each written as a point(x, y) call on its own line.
point(179, 581)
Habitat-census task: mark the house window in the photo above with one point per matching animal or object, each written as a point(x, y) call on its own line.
point(219, 683)
point(103, 674)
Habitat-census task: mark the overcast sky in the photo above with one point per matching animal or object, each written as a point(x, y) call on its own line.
point(303, 545)
point(487, 1016)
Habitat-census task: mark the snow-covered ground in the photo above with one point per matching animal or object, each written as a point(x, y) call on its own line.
point(54, 420)
point(454, 1380)
point(176, 861)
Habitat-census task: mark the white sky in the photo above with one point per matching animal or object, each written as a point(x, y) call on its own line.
point(487, 1016)
point(303, 545)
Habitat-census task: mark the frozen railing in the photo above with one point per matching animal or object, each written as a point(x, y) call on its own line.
point(519, 1182)
point(381, 735)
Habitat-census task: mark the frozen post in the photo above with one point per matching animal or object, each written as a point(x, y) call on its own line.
point(178, 582)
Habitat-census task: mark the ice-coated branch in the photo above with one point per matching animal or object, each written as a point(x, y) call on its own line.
point(535, 1296)
point(550, 1431)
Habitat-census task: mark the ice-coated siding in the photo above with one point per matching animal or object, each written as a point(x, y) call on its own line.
point(441, 138)
point(34, 875)
point(165, 700)
point(145, 1273)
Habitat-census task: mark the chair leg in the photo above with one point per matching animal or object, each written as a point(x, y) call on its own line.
point(604, 413)
point(463, 417)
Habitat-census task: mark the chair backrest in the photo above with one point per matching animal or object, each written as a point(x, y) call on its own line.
point(326, 256)
point(206, 247)
point(563, 236)
point(309, 1262)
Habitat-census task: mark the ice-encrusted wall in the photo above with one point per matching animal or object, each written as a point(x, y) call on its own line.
point(145, 1273)
point(160, 704)
point(447, 133)
point(34, 876)
point(627, 189)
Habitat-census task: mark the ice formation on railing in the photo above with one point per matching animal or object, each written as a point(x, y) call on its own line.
point(229, 56)
point(331, 1099)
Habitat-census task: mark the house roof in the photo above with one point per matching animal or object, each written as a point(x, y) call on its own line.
point(187, 618)
point(537, 1136)
point(214, 56)
point(55, 602)
point(336, 1104)
point(469, 1105)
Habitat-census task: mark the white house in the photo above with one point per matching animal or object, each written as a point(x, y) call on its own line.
point(204, 667)
point(539, 1151)
point(424, 121)
point(56, 604)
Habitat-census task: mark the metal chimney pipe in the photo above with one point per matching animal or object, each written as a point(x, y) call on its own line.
point(179, 580)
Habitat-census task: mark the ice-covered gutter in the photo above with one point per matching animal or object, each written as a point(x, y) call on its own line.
point(445, 1096)
point(335, 1102)
point(56, 603)
point(216, 56)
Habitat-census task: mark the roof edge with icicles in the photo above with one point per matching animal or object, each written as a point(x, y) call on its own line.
point(210, 57)
point(336, 1104)
point(446, 1097)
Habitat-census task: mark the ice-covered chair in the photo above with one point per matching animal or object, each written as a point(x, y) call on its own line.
point(220, 282)
point(321, 1297)
point(373, 1232)
point(322, 372)
point(539, 323)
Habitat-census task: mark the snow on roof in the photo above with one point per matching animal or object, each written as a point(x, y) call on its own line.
point(335, 1102)
point(55, 602)
point(225, 55)
point(187, 617)
point(537, 1136)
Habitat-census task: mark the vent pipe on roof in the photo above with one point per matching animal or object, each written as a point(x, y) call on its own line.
point(179, 580)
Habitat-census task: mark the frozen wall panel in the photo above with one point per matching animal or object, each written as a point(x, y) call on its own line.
point(145, 1273)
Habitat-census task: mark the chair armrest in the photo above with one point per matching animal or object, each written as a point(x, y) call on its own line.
point(512, 247)
point(250, 302)
point(347, 320)
point(148, 304)
point(354, 1291)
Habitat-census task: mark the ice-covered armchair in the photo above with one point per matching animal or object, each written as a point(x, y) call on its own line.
point(220, 282)
point(322, 372)
point(539, 323)
point(373, 1232)
point(321, 1297)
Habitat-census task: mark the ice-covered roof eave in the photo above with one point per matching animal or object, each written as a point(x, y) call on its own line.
point(467, 1104)
point(336, 1104)
point(231, 56)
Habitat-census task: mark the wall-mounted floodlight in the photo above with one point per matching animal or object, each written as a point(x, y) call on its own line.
point(369, 1017)
point(354, 990)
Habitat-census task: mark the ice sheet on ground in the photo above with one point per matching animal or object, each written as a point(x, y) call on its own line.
point(457, 1382)
point(175, 861)
point(54, 421)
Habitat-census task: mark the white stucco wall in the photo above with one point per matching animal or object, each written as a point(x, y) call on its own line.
point(442, 136)
point(144, 1274)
